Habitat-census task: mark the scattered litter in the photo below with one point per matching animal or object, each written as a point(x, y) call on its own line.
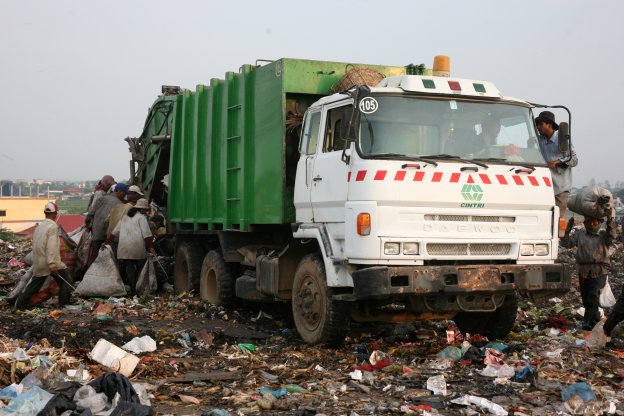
point(113, 357)
point(139, 345)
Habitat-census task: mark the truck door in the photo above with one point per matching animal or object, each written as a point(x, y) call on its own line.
point(307, 151)
point(329, 174)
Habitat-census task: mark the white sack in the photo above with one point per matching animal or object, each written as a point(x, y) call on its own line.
point(20, 285)
point(585, 202)
point(147, 279)
point(102, 279)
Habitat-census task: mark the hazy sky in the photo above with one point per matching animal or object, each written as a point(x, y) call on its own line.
point(78, 76)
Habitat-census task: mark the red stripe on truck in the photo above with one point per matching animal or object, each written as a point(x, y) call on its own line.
point(349, 177)
point(485, 178)
point(418, 176)
point(455, 177)
point(517, 179)
point(533, 181)
point(547, 181)
point(400, 175)
point(501, 179)
point(380, 175)
point(437, 177)
point(360, 175)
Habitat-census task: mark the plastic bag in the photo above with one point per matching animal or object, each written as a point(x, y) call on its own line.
point(87, 398)
point(29, 403)
point(582, 389)
point(102, 278)
point(491, 407)
point(607, 299)
point(597, 338)
point(147, 282)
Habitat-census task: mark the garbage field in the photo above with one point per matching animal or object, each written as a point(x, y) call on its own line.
point(175, 354)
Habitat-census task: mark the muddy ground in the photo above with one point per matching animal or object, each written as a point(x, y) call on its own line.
point(222, 358)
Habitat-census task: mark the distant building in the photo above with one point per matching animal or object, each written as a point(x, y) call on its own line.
point(19, 213)
point(69, 223)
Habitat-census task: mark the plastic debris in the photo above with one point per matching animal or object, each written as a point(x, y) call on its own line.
point(437, 384)
point(491, 407)
point(139, 345)
point(582, 390)
point(11, 392)
point(87, 398)
point(28, 403)
point(452, 353)
point(276, 393)
point(597, 338)
point(114, 357)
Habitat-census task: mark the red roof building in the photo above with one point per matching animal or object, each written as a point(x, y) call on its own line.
point(69, 223)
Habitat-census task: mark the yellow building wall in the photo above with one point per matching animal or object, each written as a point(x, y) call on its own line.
point(21, 212)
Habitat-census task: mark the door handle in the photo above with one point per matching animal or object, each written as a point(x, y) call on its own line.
point(317, 178)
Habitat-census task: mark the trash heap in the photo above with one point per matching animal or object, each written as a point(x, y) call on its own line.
point(174, 354)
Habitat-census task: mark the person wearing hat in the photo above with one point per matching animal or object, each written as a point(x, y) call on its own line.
point(593, 260)
point(99, 214)
point(134, 194)
point(135, 239)
point(559, 165)
point(46, 260)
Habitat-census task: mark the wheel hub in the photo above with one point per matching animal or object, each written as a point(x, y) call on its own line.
point(310, 303)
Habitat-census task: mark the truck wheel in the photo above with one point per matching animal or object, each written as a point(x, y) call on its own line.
point(318, 318)
point(216, 281)
point(187, 266)
point(494, 325)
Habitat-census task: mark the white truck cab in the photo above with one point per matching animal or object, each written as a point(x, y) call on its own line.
point(428, 198)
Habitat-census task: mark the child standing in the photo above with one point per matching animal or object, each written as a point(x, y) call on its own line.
point(592, 258)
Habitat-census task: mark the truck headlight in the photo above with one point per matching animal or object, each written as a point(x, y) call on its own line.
point(392, 248)
point(527, 249)
point(541, 249)
point(410, 248)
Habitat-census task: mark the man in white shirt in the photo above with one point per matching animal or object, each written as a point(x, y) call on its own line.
point(46, 260)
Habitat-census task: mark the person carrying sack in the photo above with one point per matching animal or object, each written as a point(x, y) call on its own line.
point(135, 239)
point(592, 258)
point(46, 260)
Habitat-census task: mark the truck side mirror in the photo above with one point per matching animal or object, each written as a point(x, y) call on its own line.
point(564, 137)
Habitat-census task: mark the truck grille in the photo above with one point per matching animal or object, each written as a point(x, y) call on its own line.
point(472, 249)
point(468, 218)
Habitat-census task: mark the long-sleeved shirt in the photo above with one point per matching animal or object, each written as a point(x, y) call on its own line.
point(562, 177)
point(99, 214)
point(46, 250)
point(592, 250)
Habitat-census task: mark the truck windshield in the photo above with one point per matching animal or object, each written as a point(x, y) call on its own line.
point(415, 127)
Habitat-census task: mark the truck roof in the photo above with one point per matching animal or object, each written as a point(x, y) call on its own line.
point(432, 85)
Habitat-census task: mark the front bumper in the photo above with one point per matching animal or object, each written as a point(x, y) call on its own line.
point(534, 281)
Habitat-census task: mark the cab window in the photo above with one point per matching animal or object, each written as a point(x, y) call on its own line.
point(309, 137)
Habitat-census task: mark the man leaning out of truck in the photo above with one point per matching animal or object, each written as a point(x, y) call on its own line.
point(560, 166)
point(592, 257)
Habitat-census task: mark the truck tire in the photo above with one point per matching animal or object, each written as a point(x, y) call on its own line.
point(187, 267)
point(216, 281)
point(318, 318)
point(494, 325)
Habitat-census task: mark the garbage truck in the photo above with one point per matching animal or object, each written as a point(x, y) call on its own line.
point(354, 192)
